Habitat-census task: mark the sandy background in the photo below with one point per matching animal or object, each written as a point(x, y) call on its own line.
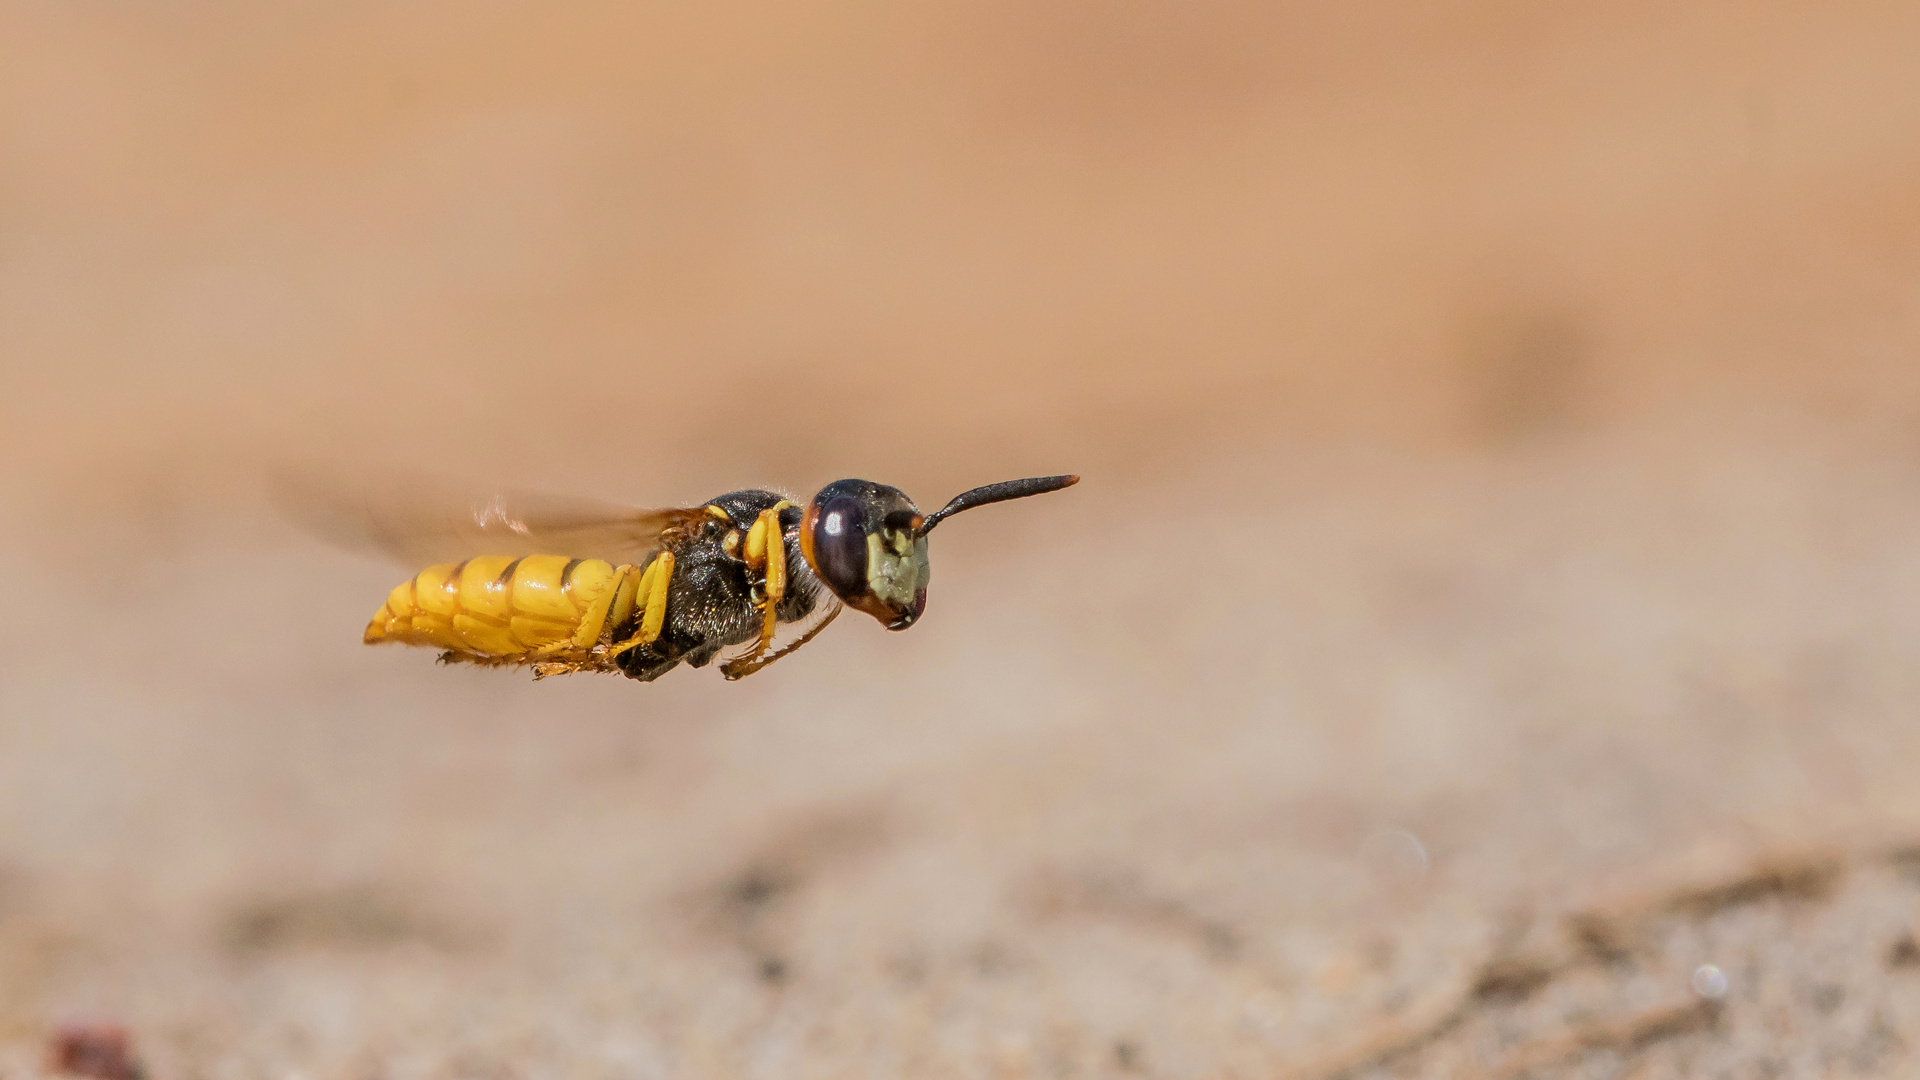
point(1494, 594)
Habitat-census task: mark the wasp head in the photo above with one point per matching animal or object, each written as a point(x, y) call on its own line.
point(864, 541)
point(868, 542)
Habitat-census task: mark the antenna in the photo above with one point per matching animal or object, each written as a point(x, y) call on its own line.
point(993, 493)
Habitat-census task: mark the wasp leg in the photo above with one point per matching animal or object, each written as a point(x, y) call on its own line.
point(593, 622)
point(651, 590)
point(747, 665)
point(611, 606)
point(560, 658)
point(625, 594)
point(458, 656)
point(766, 551)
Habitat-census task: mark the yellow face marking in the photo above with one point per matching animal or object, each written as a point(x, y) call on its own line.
point(897, 567)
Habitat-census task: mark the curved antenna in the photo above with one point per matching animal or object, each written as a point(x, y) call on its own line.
point(993, 493)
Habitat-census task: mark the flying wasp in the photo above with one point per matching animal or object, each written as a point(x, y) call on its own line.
point(565, 586)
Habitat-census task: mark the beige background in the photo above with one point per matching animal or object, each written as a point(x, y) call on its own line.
point(1501, 498)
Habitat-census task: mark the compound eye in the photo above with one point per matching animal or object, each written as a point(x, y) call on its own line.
point(840, 546)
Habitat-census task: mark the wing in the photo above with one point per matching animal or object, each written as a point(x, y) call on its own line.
point(425, 522)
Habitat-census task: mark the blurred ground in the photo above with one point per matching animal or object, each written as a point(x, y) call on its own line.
point(1494, 597)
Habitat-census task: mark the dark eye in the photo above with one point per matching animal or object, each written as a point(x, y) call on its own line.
point(840, 546)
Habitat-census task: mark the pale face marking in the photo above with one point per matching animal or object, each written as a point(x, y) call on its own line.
point(897, 567)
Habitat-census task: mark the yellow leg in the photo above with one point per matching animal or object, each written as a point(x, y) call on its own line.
point(624, 596)
point(766, 551)
point(651, 590)
point(594, 621)
point(611, 607)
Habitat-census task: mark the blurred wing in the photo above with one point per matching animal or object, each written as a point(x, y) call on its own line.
point(426, 523)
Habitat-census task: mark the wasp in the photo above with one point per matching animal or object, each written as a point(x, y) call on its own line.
point(564, 586)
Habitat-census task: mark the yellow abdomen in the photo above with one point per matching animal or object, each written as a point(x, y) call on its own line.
point(507, 608)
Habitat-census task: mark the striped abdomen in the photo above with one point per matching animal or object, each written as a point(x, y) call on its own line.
point(498, 606)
